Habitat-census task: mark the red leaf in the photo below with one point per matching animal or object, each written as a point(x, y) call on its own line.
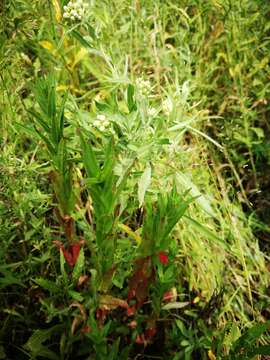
point(86, 329)
point(68, 256)
point(131, 294)
point(101, 315)
point(131, 310)
point(150, 332)
point(108, 302)
point(71, 254)
point(140, 281)
point(163, 258)
point(140, 339)
point(75, 250)
point(170, 295)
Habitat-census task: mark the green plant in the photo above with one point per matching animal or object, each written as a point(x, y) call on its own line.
point(133, 138)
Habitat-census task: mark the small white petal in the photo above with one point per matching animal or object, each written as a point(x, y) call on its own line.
point(101, 117)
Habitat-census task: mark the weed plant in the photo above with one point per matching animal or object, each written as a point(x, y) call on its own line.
point(134, 162)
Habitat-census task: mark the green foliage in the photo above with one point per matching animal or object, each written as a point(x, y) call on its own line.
point(133, 180)
point(160, 219)
point(35, 344)
point(246, 346)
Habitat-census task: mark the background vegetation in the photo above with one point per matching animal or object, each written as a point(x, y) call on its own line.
point(134, 177)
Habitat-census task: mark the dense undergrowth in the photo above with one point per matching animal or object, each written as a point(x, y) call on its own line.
point(134, 176)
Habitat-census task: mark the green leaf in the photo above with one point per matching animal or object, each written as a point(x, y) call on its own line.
point(205, 231)
point(47, 285)
point(61, 118)
point(143, 184)
point(40, 91)
point(89, 159)
point(130, 98)
point(260, 350)
point(46, 141)
point(62, 267)
point(250, 337)
point(9, 279)
point(109, 161)
point(184, 180)
point(76, 295)
point(27, 129)
point(40, 121)
point(114, 351)
point(36, 340)
point(175, 305)
point(79, 266)
point(51, 100)
point(81, 39)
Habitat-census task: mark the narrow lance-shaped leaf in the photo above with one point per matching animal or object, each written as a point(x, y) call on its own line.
point(61, 118)
point(89, 159)
point(144, 183)
point(250, 336)
point(109, 193)
point(177, 212)
point(79, 266)
point(36, 340)
point(204, 230)
point(46, 141)
point(260, 350)
point(52, 113)
point(109, 161)
point(40, 121)
point(47, 285)
point(50, 82)
point(62, 267)
point(41, 95)
point(130, 98)
point(81, 39)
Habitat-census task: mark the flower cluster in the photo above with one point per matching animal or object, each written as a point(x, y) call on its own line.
point(101, 123)
point(75, 10)
point(143, 86)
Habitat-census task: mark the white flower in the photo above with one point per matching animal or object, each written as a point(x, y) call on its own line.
point(101, 123)
point(167, 106)
point(101, 117)
point(75, 10)
point(143, 86)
